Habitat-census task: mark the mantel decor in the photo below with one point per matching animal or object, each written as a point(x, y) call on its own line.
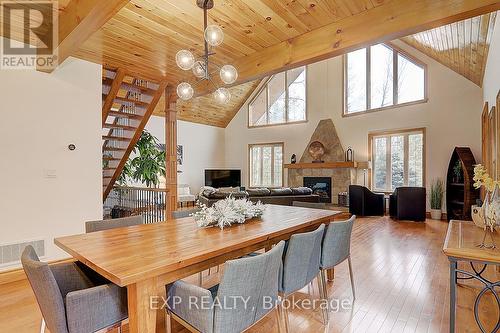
point(213, 36)
point(488, 216)
point(317, 151)
point(229, 211)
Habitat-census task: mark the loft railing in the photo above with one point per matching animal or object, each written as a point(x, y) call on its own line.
point(127, 201)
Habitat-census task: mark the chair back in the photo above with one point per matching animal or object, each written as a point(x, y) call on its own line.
point(337, 243)
point(301, 260)
point(179, 214)
point(183, 189)
point(317, 205)
point(46, 290)
point(253, 280)
point(93, 226)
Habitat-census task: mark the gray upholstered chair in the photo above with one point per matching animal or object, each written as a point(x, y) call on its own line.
point(72, 301)
point(301, 262)
point(93, 226)
point(317, 205)
point(179, 214)
point(337, 248)
point(250, 281)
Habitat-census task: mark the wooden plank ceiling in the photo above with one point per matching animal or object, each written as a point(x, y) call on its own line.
point(262, 37)
point(462, 46)
point(204, 110)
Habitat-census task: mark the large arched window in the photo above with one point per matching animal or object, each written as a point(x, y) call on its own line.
point(281, 100)
point(382, 76)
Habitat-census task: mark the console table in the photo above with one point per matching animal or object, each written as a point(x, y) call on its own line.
point(460, 244)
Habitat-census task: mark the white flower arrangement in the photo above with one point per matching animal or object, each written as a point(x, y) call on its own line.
point(228, 211)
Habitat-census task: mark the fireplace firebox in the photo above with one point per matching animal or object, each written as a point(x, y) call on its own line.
point(321, 186)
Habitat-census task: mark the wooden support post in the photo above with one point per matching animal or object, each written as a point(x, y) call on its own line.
point(171, 153)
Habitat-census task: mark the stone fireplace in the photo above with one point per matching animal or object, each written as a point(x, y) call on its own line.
point(340, 176)
point(321, 186)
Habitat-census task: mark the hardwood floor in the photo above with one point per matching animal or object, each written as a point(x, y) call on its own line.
point(401, 278)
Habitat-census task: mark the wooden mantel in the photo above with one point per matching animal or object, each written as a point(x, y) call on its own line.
point(328, 165)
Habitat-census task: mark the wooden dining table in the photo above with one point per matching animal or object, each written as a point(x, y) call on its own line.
point(145, 258)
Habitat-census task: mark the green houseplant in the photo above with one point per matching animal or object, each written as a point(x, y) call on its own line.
point(437, 193)
point(148, 164)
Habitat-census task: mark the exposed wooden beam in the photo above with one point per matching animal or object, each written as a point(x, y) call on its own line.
point(113, 91)
point(392, 20)
point(79, 20)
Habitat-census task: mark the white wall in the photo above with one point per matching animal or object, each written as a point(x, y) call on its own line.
point(41, 114)
point(203, 149)
point(491, 81)
point(451, 116)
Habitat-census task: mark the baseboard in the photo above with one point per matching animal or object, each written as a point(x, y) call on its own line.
point(444, 216)
point(17, 274)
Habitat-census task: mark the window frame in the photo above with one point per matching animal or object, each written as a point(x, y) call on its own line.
point(266, 144)
point(264, 87)
point(396, 50)
point(389, 133)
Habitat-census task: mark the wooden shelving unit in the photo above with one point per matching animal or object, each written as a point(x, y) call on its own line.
point(460, 196)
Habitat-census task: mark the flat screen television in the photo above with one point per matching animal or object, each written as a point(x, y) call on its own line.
point(222, 178)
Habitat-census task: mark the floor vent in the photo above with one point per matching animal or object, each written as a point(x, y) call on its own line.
point(12, 252)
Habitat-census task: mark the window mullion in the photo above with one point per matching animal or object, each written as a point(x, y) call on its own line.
point(395, 80)
point(368, 78)
point(388, 151)
point(405, 159)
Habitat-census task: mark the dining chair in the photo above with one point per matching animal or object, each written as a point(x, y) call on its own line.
point(301, 262)
point(93, 226)
point(248, 291)
point(336, 249)
point(72, 301)
point(179, 214)
point(317, 205)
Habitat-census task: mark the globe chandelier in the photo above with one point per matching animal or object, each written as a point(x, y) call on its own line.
point(200, 66)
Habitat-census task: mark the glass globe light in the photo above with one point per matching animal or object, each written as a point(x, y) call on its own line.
point(214, 35)
point(199, 69)
point(222, 95)
point(184, 59)
point(185, 91)
point(228, 74)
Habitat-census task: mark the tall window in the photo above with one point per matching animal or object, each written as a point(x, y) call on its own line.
point(281, 100)
point(381, 76)
point(266, 165)
point(398, 159)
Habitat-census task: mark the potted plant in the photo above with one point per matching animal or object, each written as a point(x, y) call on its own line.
point(437, 192)
point(149, 163)
point(457, 171)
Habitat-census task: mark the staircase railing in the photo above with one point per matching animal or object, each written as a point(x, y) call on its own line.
point(127, 201)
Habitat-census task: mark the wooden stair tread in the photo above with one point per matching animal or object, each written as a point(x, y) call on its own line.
point(119, 126)
point(124, 115)
point(124, 100)
point(115, 138)
point(130, 87)
point(113, 149)
point(111, 158)
point(108, 168)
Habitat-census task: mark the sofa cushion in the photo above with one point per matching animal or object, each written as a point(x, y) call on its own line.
point(281, 191)
point(258, 192)
point(222, 195)
point(229, 189)
point(301, 190)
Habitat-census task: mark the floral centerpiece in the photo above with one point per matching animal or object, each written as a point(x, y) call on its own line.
point(228, 211)
point(488, 216)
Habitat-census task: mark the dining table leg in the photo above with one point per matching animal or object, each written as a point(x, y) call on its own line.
point(453, 293)
point(144, 301)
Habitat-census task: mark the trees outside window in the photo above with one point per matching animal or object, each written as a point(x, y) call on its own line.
point(398, 159)
point(266, 165)
point(382, 76)
point(281, 100)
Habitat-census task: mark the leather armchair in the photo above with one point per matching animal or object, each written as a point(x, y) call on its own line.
point(408, 203)
point(363, 202)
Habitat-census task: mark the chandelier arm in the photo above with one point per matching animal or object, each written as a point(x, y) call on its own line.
point(213, 83)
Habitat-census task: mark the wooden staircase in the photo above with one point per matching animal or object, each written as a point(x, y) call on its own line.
point(127, 105)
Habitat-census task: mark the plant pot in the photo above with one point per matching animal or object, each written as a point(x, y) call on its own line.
point(436, 214)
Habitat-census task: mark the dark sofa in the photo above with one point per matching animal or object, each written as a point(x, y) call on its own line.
point(277, 196)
